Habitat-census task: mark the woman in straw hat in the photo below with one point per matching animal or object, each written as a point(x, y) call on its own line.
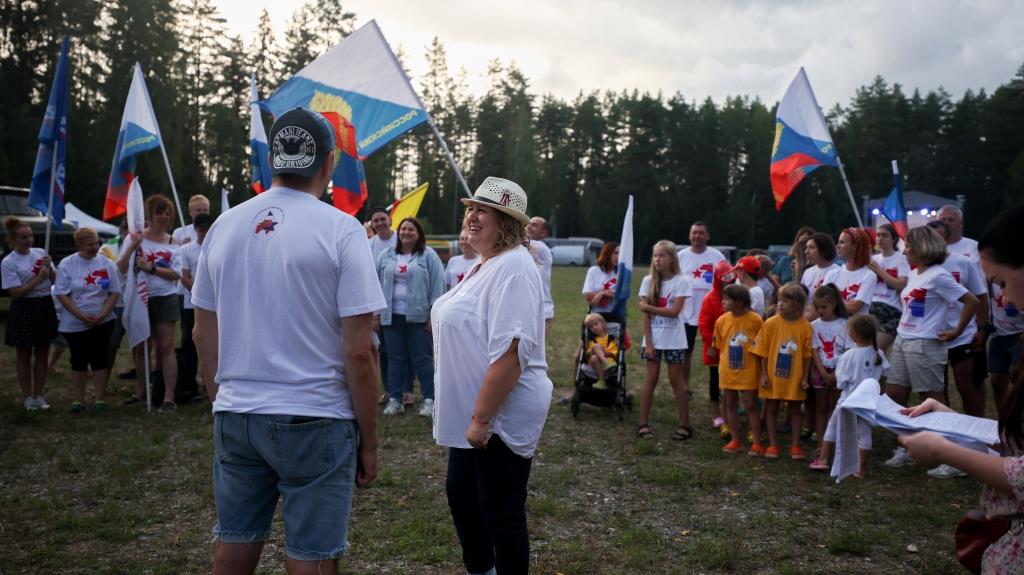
point(492, 390)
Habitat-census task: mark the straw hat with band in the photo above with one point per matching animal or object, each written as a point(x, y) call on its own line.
point(503, 195)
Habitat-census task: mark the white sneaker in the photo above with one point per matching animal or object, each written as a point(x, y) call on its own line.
point(427, 409)
point(394, 407)
point(30, 404)
point(41, 403)
point(899, 458)
point(946, 472)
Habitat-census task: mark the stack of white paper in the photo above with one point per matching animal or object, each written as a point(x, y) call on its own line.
point(867, 403)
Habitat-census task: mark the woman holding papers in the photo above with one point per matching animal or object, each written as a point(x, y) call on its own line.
point(1003, 475)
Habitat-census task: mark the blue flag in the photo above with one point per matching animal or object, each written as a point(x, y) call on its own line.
point(53, 141)
point(893, 208)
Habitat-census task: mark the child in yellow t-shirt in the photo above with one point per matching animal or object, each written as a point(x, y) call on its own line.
point(735, 331)
point(601, 350)
point(784, 351)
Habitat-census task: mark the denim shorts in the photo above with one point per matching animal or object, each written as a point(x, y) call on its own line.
point(311, 462)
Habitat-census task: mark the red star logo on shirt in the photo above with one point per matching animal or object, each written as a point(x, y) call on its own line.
point(151, 258)
point(90, 280)
point(459, 277)
point(403, 268)
point(37, 266)
point(610, 283)
point(849, 292)
point(956, 276)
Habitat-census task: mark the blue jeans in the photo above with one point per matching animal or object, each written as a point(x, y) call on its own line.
point(409, 344)
point(486, 491)
point(310, 461)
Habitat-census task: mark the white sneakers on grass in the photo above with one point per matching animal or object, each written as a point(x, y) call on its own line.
point(899, 458)
point(394, 407)
point(35, 403)
point(945, 472)
point(427, 409)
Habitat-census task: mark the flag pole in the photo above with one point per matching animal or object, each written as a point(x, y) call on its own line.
point(170, 178)
point(447, 152)
point(49, 210)
point(849, 192)
point(145, 368)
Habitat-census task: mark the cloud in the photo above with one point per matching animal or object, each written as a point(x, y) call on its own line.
point(730, 47)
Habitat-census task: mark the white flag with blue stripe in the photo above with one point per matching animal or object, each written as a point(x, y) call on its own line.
point(625, 268)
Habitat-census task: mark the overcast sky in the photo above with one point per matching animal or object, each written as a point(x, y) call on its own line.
point(721, 48)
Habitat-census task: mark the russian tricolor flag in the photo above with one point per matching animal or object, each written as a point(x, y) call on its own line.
point(258, 145)
point(893, 208)
point(361, 80)
point(139, 133)
point(802, 141)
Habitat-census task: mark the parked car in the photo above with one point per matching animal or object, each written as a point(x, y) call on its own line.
point(14, 202)
point(592, 247)
point(446, 246)
point(570, 255)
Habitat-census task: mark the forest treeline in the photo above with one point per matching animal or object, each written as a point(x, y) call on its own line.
point(683, 156)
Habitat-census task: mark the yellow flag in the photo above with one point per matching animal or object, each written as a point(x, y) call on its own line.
point(408, 205)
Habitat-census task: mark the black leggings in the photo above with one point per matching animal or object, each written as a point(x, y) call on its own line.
point(713, 390)
point(487, 496)
point(89, 347)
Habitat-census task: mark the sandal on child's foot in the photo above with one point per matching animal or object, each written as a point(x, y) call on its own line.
point(818, 465)
point(682, 433)
point(643, 431)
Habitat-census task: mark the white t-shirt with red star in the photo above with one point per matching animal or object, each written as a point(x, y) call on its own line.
point(600, 280)
point(896, 266)
point(161, 255)
point(88, 282)
point(17, 270)
point(856, 285)
point(1007, 319)
point(814, 277)
point(968, 274)
point(457, 268)
point(965, 247)
point(926, 302)
point(401, 288)
point(699, 270)
point(667, 332)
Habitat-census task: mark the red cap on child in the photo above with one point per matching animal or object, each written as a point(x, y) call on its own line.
point(749, 264)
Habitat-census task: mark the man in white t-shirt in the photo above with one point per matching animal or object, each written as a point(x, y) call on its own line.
point(197, 204)
point(537, 230)
point(956, 243)
point(383, 236)
point(286, 343)
point(697, 263)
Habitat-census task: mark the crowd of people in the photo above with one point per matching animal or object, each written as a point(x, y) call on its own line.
point(784, 344)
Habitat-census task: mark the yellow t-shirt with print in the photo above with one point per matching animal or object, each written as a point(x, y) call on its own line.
point(734, 336)
point(787, 346)
point(611, 347)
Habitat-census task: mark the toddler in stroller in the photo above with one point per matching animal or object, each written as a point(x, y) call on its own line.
point(600, 366)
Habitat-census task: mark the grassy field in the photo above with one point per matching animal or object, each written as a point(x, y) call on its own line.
point(129, 492)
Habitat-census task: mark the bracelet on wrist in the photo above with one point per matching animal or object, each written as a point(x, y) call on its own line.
point(480, 420)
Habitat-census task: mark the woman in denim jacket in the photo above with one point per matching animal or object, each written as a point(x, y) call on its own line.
point(412, 277)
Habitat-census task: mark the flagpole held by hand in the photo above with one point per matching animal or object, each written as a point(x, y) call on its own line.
point(849, 192)
point(49, 210)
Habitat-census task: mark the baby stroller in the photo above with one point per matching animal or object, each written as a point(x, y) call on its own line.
point(586, 388)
